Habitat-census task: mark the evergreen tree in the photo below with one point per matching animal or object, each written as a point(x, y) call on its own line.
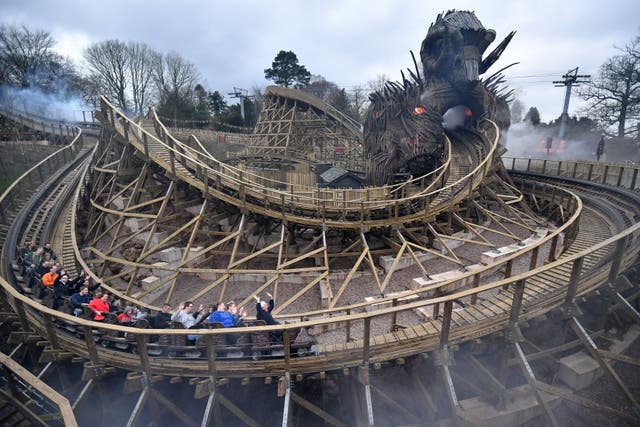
point(285, 70)
point(533, 116)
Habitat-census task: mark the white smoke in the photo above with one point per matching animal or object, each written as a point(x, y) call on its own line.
point(51, 106)
point(526, 140)
point(454, 117)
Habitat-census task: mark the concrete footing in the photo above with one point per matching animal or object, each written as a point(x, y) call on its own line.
point(579, 370)
point(520, 406)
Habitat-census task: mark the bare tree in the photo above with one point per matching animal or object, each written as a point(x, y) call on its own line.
point(175, 79)
point(109, 61)
point(321, 88)
point(141, 60)
point(377, 83)
point(26, 56)
point(359, 99)
point(93, 88)
point(516, 109)
point(614, 95)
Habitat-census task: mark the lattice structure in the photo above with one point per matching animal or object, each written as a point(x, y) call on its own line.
point(294, 123)
point(150, 229)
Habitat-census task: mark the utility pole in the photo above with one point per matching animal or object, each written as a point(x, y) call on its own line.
point(242, 94)
point(572, 78)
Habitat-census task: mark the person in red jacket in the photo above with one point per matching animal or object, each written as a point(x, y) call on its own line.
point(100, 305)
point(127, 315)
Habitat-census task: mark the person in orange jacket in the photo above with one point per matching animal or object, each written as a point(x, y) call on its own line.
point(48, 279)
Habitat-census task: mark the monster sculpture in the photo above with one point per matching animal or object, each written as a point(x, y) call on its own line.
point(403, 131)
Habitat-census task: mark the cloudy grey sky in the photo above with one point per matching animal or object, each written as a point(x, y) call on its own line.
point(349, 42)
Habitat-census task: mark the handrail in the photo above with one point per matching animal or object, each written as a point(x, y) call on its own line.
point(66, 412)
point(340, 318)
point(230, 170)
point(201, 150)
point(73, 147)
point(52, 126)
point(571, 200)
point(627, 176)
point(36, 317)
point(313, 200)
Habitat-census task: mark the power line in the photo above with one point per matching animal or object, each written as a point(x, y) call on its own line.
point(242, 94)
point(571, 78)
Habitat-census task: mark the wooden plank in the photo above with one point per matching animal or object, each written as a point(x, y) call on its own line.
point(66, 412)
point(478, 315)
point(465, 315)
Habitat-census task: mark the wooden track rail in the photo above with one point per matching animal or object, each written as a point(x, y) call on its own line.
point(593, 243)
point(490, 315)
point(357, 208)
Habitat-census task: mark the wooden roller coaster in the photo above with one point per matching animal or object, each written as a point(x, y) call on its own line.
point(387, 275)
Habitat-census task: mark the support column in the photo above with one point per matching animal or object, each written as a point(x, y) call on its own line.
point(212, 402)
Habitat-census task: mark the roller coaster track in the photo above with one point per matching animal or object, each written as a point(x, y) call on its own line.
point(597, 239)
point(403, 203)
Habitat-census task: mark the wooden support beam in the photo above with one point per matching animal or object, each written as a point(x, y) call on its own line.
point(527, 371)
point(347, 279)
point(327, 417)
point(398, 406)
point(451, 390)
point(619, 357)
point(286, 411)
point(446, 324)
point(495, 387)
point(137, 409)
point(212, 403)
point(592, 349)
point(235, 410)
point(586, 403)
point(617, 258)
point(146, 249)
point(414, 256)
point(364, 379)
point(187, 249)
point(627, 307)
point(433, 408)
point(301, 292)
point(167, 403)
point(83, 393)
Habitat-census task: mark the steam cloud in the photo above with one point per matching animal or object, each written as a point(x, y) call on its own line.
point(526, 140)
point(51, 106)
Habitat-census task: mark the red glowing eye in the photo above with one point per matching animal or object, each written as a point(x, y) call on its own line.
point(418, 110)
